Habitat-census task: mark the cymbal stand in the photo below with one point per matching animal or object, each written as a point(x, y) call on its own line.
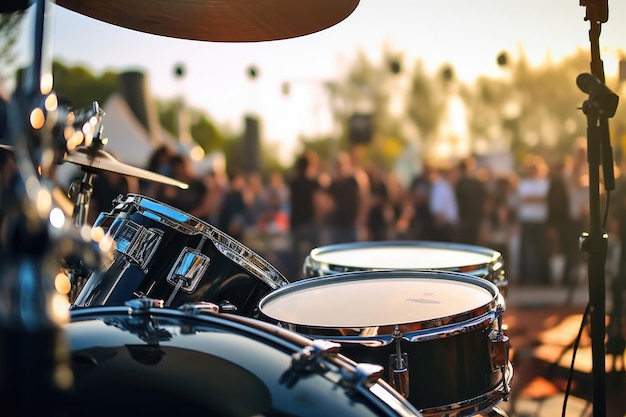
point(81, 189)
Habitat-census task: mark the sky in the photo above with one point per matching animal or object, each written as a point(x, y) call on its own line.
point(467, 34)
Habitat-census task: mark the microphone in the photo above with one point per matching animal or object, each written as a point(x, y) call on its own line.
point(599, 94)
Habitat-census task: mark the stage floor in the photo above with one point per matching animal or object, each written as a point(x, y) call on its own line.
point(542, 323)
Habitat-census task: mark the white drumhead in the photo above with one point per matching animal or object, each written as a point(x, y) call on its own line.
point(401, 257)
point(380, 301)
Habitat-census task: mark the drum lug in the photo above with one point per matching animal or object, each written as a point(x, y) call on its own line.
point(399, 374)
point(308, 357)
point(227, 307)
point(498, 349)
point(367, 374)
point(399, 366)
point(142, 305)
point(200, 307)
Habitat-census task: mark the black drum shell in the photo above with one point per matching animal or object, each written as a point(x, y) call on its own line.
point(166, 361)
point(225, 280)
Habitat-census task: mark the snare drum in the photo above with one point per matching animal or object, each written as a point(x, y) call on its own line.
point(140, 360)
point(163, 253)
point(438, 334)
point(419, 255)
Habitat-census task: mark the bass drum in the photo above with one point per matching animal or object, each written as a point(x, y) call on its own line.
point(163, 253)
point(473, 260)
point(438, 334)
point(142, 360)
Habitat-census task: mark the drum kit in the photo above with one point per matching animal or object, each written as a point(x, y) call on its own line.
point(172, 314)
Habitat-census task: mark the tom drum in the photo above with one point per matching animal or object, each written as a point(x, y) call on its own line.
point(437, 334)
point(163, 253)
point(419, 255)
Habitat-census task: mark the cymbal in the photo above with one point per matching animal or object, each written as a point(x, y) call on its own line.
point(218, 20)
point(100, 160)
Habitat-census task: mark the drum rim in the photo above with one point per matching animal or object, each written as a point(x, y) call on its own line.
point(493, 255)
point(241, 323)
point(224, 243)
point(489, 308)
point(283, 339)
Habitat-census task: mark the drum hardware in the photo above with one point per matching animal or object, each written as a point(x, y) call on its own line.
point(399, 366)
point(143, 305)
point(498, 347)
point(306, 360)
point(200, 308)
point(187, 271)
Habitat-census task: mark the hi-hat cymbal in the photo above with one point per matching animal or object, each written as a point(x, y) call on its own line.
point(100, 160)
point(218, 20)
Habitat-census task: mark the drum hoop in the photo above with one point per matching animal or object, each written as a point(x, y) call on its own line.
point(240, 322)
point(492, 308)
point(227, 245)
point(271, 334)
point(494, 256)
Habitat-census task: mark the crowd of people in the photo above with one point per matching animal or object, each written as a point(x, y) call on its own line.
point(534, 217)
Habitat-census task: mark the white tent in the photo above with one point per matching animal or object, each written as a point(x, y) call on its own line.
point(128, 140)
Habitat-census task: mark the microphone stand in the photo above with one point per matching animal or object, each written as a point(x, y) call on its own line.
point(595, 244)
point(598, 108)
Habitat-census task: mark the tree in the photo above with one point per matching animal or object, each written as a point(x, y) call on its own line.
point(528, 109)
point(80, 87)
point(9, 32)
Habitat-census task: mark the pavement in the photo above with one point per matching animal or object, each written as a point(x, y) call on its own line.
point(542, 323)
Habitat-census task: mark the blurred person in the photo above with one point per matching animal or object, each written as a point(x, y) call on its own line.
point(194, 200)
point(398, 201)
point(345, 191)
point(158, 162)
point(470, 195)
point(417, 212)
point(559, 223)
point(577, 182)
point(532, 215)
point(233, 218)
point(356, 153)
point(378, 216)
point(304, 201)
point(217, 185)
point(276, 200)
point(107, 186)
point(257, 204)
point(443, 204)
point(500, 218)
point(616, 334)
